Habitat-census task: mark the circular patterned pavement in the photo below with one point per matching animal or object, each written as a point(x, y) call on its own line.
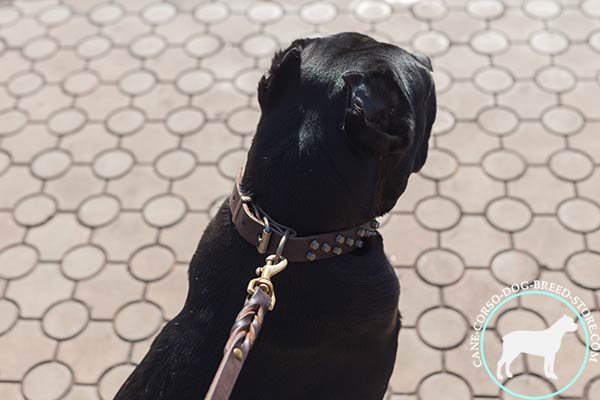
point(318, 12)
point(66, 121)
point(440, 267)
point(555, 79)
point(40, 48)
point(431, 42)
point(265, 13)
point(113, 164)
point(571, 165)
point(185, 121)
point(549, 42)
point(581, 268)
point(83, 262)
point(98, 210)
point(65, 320)
point(438, 213)
point(194, 81)
point(175, 164)
point(509, 214)
point(159, 13)
point(51, 164)
point(504, 165)
point(498, 121)
point(563, 120)
point(137, 82)
point(93, 47)
point(25, 84)
point(211, 13)
point(112, 380)
point(202, 46)
point(125, 121)
point(441, 385)
point(138, 321)
point(10, 314)
point(148, 46)
point(455, 328)
point(164, 210)
point(440, 165)
point(514, 266)
point(494, 80)
point(485, 9)
point(11, 121)
point(489, 42)
point(580, 215)
point(152, 263)
point(52, 16)
point(80, 83)
point(35, 210)
point(16, 261)
point(47, 381)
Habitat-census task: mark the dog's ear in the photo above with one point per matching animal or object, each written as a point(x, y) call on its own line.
point(379, 117)
point(427, 118)
point(424, 60)
point(283, 73)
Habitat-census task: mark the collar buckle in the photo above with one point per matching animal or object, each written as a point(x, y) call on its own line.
point(264, 237)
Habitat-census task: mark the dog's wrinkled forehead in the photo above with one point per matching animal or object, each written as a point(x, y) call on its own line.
point(325, 60)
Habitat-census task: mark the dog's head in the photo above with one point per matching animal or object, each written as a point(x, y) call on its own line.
point(567, 324)
point(345, 120)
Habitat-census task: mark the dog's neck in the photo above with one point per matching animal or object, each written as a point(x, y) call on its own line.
point(308, 200)
point(557, 329)
point(304, 174)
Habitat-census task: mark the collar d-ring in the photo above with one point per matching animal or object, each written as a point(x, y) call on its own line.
point(281, 245)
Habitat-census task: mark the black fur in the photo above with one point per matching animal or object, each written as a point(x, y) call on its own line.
point(345, 121)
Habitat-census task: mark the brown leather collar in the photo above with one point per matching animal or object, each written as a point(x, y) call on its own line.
point(254, 225)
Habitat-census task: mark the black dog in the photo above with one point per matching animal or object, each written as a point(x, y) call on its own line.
point(345, 121)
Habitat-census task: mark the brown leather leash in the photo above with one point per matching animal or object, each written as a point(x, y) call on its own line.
point(245, 329)
point(254, 225)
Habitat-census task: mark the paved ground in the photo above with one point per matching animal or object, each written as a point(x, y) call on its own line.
point(123, 122)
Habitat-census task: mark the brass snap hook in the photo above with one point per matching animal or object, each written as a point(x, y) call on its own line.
point(265, 273)
point(274, 264)
point(269, 269)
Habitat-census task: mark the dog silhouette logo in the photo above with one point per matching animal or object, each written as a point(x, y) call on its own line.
point(545, 343)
